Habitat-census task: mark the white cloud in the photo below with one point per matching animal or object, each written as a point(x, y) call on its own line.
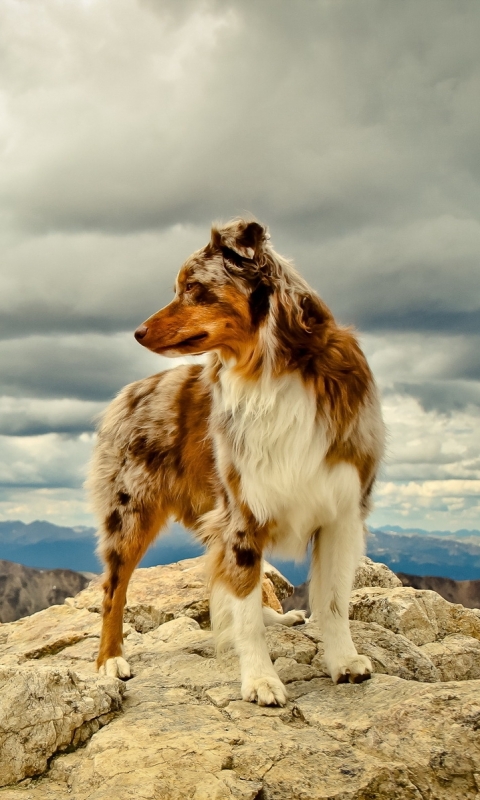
point(62, 506)
point(44, 461)
point(448, 505)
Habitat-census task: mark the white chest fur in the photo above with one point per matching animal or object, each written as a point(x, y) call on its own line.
point(278, 445)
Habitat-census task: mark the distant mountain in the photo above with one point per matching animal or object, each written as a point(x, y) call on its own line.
point(425, 554)
point(43, 545)
point(27, 533)
point(472, 535)
point(415, 552)
point(465, 592)
point(24, 591)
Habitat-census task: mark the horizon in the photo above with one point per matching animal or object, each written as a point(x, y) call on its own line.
point(43, 545)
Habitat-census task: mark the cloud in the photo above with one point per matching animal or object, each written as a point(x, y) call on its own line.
point(60, 505)
point(428, 444)
point(443, 396)
point(323, 117)
point(45, 461)
point(89, 367)
point(435, 502)
point(90, 282)
point(32, 416)
point(351, 129)
point(410, 357)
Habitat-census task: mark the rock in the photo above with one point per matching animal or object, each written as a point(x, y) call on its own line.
point(44, 710)
point(285, 642)
point(420, 615)
point(424, 735)
point(186, 732)
point(372, 573)
point(390, 653)
point(282, 587)
point(457, 657)
point(159, 594)
point(25, 590)
point(289, 670)
point(269, 598)
point(48, 633)
point(393, 654)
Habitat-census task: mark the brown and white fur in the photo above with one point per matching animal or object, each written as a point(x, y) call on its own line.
point(273, 443)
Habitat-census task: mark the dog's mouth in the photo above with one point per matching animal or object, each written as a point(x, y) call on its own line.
point(192, 340)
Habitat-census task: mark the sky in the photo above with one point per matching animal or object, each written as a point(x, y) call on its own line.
point(351, 129)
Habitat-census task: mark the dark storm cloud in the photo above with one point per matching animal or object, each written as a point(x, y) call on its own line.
point(90, 367)
point(352, 129)
point(68, 284)
point(443, 396)
point(35, 417)
point(312, 114)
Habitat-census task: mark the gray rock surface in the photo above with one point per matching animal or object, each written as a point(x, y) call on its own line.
point(409, 733)
point(419, 614)
point(159, 594)
point(371, 573)
point(43, 711)
point(456, 657)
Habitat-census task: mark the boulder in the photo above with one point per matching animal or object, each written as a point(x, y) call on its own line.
point(47, 633)
point(390, 653)
point(372, 573)
point(420, 615)
point(45, 710)
point(158, 594)
point(456, 657)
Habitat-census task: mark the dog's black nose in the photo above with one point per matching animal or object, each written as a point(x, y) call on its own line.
point(140, 332)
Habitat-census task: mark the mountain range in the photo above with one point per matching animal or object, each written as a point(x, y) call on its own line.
point(44, 545)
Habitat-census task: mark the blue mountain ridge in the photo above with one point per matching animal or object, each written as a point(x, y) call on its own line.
point(44, 545)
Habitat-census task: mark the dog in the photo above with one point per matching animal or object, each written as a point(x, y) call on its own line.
point(273, 443)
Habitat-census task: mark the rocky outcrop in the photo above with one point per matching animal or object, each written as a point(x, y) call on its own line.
point(158, 594)
point(465, 592)
point(409, 733)
point(420, 615)
point(369, 573)
point(24, 590)
point(45, 710)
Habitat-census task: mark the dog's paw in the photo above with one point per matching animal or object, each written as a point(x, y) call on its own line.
point(294, 617)
point(115, 668)
point(267, 690)
point(354, 669)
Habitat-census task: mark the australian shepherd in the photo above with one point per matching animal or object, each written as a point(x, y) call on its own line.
point(273, 443)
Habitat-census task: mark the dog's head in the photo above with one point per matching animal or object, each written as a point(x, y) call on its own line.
point(222, 296)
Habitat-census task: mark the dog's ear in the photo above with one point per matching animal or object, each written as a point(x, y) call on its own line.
point(247, 239)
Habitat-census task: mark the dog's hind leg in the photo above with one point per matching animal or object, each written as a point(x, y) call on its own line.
point(290, 618)
point(128, 537)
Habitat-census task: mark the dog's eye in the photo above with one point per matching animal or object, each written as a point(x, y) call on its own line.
point(190, 286)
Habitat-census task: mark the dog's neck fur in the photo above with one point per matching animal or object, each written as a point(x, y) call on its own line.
point(292, 320)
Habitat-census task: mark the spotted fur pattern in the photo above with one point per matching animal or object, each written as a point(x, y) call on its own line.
point(273, 443)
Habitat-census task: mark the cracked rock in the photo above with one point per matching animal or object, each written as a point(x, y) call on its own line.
point(44, 710)
point(409, 733)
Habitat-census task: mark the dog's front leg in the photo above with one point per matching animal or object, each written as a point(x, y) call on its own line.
point(237, 615)
point(260, 682)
